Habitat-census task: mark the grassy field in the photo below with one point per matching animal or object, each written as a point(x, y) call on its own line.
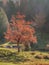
point(30, 56)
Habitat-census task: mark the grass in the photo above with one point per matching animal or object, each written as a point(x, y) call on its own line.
point(30, 56)
point(4, 63)
point(11, 49)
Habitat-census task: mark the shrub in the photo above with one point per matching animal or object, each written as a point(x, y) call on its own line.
point(46, 57)
point(39, 56)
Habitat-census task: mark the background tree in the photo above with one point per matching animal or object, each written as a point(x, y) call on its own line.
point(10, 9)
point(3, 23)
point(40, 19)
point(20, 31)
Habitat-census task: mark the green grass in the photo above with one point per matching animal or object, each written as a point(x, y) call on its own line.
point(31, 60)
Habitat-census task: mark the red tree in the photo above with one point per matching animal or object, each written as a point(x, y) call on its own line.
point(20, 31)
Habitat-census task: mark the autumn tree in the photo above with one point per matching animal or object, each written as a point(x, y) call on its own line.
point(20, 31)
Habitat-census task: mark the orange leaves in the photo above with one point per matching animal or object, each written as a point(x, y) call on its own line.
point(20, 30)
point(35, 39)
point(13, 18)
point(20, 16)
point(29, 23)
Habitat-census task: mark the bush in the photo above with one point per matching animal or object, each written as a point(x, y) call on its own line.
point(46, 57)
point(39, 56)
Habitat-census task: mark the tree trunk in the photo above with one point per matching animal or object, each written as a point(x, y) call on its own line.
point(18, 42)
point(18, 47)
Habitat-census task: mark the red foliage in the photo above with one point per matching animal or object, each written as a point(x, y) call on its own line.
point(20, 30)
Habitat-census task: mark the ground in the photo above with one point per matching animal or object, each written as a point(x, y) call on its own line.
point(30, 56)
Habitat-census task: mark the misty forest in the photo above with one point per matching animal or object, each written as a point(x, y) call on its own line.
point(24, 32)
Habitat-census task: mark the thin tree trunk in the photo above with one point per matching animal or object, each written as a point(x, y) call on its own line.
point(18, 47)
point(18, 42)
